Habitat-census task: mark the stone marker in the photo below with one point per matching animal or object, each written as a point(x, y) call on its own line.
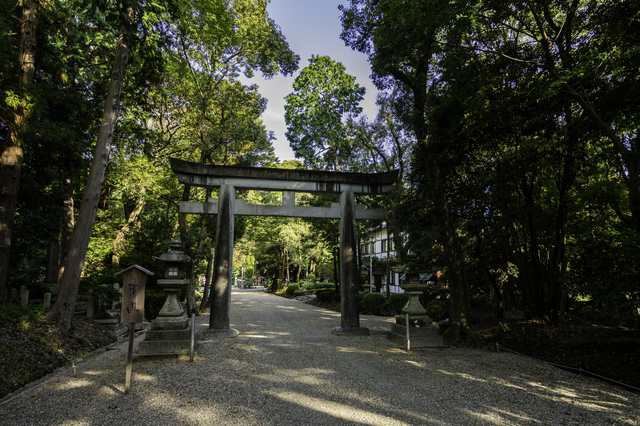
point(46, 303)
point(14, 294)
point(24, 296)
point(90, 307)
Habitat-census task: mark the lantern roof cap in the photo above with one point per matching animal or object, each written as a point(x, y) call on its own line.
point(174, 255)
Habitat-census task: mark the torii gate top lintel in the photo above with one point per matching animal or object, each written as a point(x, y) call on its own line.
point(262, 178)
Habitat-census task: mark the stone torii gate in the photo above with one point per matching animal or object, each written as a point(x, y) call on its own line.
point(226, 206)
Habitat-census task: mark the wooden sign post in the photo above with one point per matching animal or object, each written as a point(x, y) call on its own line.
point(135, 280)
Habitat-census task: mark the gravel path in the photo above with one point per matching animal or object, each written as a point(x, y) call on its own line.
point(287, 369)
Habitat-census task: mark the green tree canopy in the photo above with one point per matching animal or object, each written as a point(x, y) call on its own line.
point(316, 113)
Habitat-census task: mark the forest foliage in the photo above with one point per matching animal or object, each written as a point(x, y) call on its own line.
point(514, 126)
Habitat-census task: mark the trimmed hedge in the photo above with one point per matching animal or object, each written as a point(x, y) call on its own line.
point(372, 303)
point(397, 302)
point(325, 295)
point(292, 288)
point(319, 286)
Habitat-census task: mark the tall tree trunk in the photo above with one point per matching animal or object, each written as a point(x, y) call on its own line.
point(118, 245)
point(62, 310)
point(388, 266)
point(67, 223)
point(359, 245)
point(459, 328)
point(207, 278)
point(13, 152)
point(281, 264)
point(558, 265)
point(288, 268)
point(535, 278)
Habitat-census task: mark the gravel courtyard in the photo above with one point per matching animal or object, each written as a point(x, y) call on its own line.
point(286, 368)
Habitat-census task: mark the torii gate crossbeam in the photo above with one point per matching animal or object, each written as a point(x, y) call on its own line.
point(230, 178)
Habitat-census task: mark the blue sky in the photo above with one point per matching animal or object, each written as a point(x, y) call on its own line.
point(312, 27)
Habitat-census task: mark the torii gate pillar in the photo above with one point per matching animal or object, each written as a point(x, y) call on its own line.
point(223, 271)
point(349, 318)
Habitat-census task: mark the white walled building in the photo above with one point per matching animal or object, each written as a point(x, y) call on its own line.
point(378, 243)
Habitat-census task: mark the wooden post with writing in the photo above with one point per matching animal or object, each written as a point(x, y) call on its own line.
point(135, 280)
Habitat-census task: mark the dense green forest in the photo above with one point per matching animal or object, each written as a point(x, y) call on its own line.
point(514, 127)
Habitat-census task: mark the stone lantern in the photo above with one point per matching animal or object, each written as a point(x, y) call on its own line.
point(175, 262)
point(414, 324)
point(170, 332)
point(414, 286)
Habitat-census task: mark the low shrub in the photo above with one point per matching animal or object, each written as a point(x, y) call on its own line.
point(437, 310)
point(320, 286)
point(325, 295)
point(18, 314)
point(397, 302)
point(372, 303)
point(311, 278)
point(153, 302)
point(292, 288)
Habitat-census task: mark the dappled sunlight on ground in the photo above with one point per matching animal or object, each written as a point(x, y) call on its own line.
point(566, 396)
point(465, 376)
point(420, 365)
point(354, 350)
point(396, 351)
point(307, 376)
point(335, 409)
point(74, 383)
point(332, 318)
point(497, 416)
point(143, 377)
point(291, 308)
point(555, 390)
point(92, 372)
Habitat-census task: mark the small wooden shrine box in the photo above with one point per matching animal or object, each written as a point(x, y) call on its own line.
point(135, 279)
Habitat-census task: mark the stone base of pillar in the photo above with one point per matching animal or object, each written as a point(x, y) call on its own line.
point(177, 352)
point(422, 332)
point(210, 334)
point(355, 331)
point(170, 323)
point(168, 336)
point(159, 342)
